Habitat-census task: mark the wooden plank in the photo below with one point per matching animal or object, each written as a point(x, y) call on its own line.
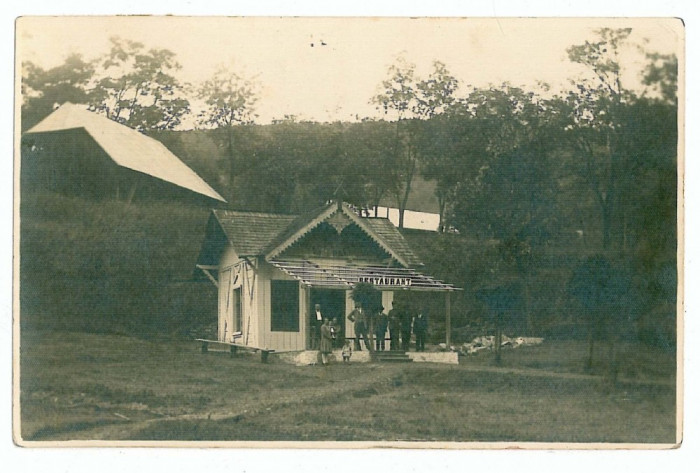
point(447, 320)
point(211, 278)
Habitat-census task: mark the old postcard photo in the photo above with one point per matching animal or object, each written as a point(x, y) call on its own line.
point(348, 232)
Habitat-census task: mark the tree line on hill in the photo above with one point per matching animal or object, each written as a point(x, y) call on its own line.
point(591, 172)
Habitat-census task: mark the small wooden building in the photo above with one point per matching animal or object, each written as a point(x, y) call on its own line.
point(272, 269)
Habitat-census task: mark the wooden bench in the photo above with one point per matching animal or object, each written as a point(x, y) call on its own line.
point(234, 347)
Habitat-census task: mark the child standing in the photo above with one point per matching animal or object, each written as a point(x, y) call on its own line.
point(347, 351)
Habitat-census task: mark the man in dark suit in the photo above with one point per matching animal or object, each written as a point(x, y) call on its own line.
point(405, 317)
point(316, 322)
point(380, 324)
point(420, 328)
point(359, 319)
point(394, 327)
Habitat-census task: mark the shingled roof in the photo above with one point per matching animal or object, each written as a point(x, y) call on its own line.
point(127, 147)
point(384, 229)
point(268, 235)
point(250, 232)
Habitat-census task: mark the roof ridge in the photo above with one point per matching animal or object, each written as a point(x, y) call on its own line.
point(254, 212)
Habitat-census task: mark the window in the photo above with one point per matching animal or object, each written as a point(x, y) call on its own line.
point(238, 310)
point(285, 306)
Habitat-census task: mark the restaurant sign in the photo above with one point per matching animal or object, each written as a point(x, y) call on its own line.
point(385, 280)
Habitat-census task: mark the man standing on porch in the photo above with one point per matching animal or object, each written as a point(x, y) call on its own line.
point(359, 319)
point(326, 341)
point(316, 322)
point(394, 327)
point(406, 319)
point(380, 324)
point(420, 328)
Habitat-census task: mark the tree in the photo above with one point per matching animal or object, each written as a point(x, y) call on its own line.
point(623, 143)
point(43, 90)
point(451, 154)
point(511, 202)
point(595, 111)
point(508, 194)
point(436, 94)
point(605, 291)
point(271, 168)
point(367, 153)
point(399, 96)
point(136, 87)
point(412, 101)
point(661, 75)
point(230, 101)
point(502, 301)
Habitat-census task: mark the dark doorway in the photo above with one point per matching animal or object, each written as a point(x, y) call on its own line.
point(332, 302)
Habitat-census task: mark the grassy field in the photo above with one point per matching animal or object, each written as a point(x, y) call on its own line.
point(78, 386)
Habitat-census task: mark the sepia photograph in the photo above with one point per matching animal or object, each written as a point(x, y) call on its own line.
point(326, 232)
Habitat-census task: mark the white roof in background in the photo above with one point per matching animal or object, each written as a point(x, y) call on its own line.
point(127, 147)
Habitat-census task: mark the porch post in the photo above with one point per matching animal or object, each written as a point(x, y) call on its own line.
point(306, 317)
point(447, 319)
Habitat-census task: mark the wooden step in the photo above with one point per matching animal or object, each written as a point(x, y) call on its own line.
point(391, 357)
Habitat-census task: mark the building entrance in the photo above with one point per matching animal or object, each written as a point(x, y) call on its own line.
point(332, 302)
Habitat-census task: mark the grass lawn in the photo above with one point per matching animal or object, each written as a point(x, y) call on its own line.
point(77, 386)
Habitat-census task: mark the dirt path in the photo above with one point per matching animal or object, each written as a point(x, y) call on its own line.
point(247, 407)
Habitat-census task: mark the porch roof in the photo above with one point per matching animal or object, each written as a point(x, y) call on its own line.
point(346, 276)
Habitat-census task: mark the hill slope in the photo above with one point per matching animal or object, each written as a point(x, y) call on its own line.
point(109, 266)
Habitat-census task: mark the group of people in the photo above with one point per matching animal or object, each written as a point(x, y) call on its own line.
point(399, 322)
point(324, 333)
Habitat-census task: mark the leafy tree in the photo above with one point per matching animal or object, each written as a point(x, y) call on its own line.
point(435, 94)
point(367, 152)
point(507, 187)
point(606, 292)
point(503, 302)
point(230, 101)
point(270, 169)
point(137, 87)
point(411, 101)
point(43, 90)
point(625, 145)
point(661, 74)
point(595, 113)
point(398, 95)
point(511, 202)
point(451, 153)
point(322, 157)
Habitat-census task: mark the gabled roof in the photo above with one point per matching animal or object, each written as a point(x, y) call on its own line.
point(127, 147)
point(381, 230)
point(269, 235)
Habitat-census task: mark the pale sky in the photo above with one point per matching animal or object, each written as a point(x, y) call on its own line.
point(337, 80)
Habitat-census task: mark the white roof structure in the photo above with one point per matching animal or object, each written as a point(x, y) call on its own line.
point(127, 147)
